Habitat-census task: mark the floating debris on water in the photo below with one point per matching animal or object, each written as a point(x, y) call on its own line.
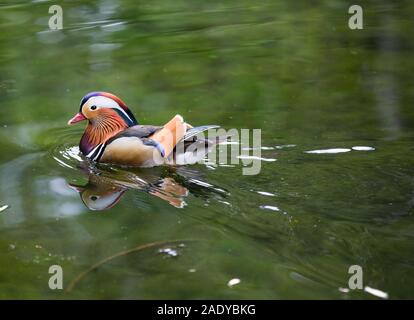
point(2, 208)
point(255, 158)
point(264, 193)
point(225, 202)
point(283, 146)
point(257, 148)
point(376, 292)
point(363, 148)
point(341, 150)
point(273, 208)
point(169, 251)
point(333, 150)
point(233, 282)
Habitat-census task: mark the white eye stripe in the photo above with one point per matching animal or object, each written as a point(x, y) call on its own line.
point(105, 102)
point(101, 101)
point(126, 114)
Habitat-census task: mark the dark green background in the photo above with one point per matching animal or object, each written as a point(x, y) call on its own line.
point(292, 68)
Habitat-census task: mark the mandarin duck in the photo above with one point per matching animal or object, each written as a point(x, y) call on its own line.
point(114, 136)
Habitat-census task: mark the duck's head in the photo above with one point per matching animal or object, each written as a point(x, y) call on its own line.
point(99, 194)
point(107, 115)
point(99, 106)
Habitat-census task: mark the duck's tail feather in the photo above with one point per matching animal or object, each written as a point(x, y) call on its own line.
point(193, 131)
point(193, 148)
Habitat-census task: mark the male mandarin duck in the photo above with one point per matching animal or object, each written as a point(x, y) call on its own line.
point(101, 192)
point(113, 135)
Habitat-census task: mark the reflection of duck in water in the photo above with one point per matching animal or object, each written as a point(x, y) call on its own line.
point(99, 196)
point(102, 192)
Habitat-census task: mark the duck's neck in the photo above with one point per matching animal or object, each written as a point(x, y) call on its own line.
point(99, 131)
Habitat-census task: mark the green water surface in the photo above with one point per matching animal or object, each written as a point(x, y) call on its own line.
point(293, 69)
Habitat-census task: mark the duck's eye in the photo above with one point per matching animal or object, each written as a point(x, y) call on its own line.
point(93, 107)
point(94, 198)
